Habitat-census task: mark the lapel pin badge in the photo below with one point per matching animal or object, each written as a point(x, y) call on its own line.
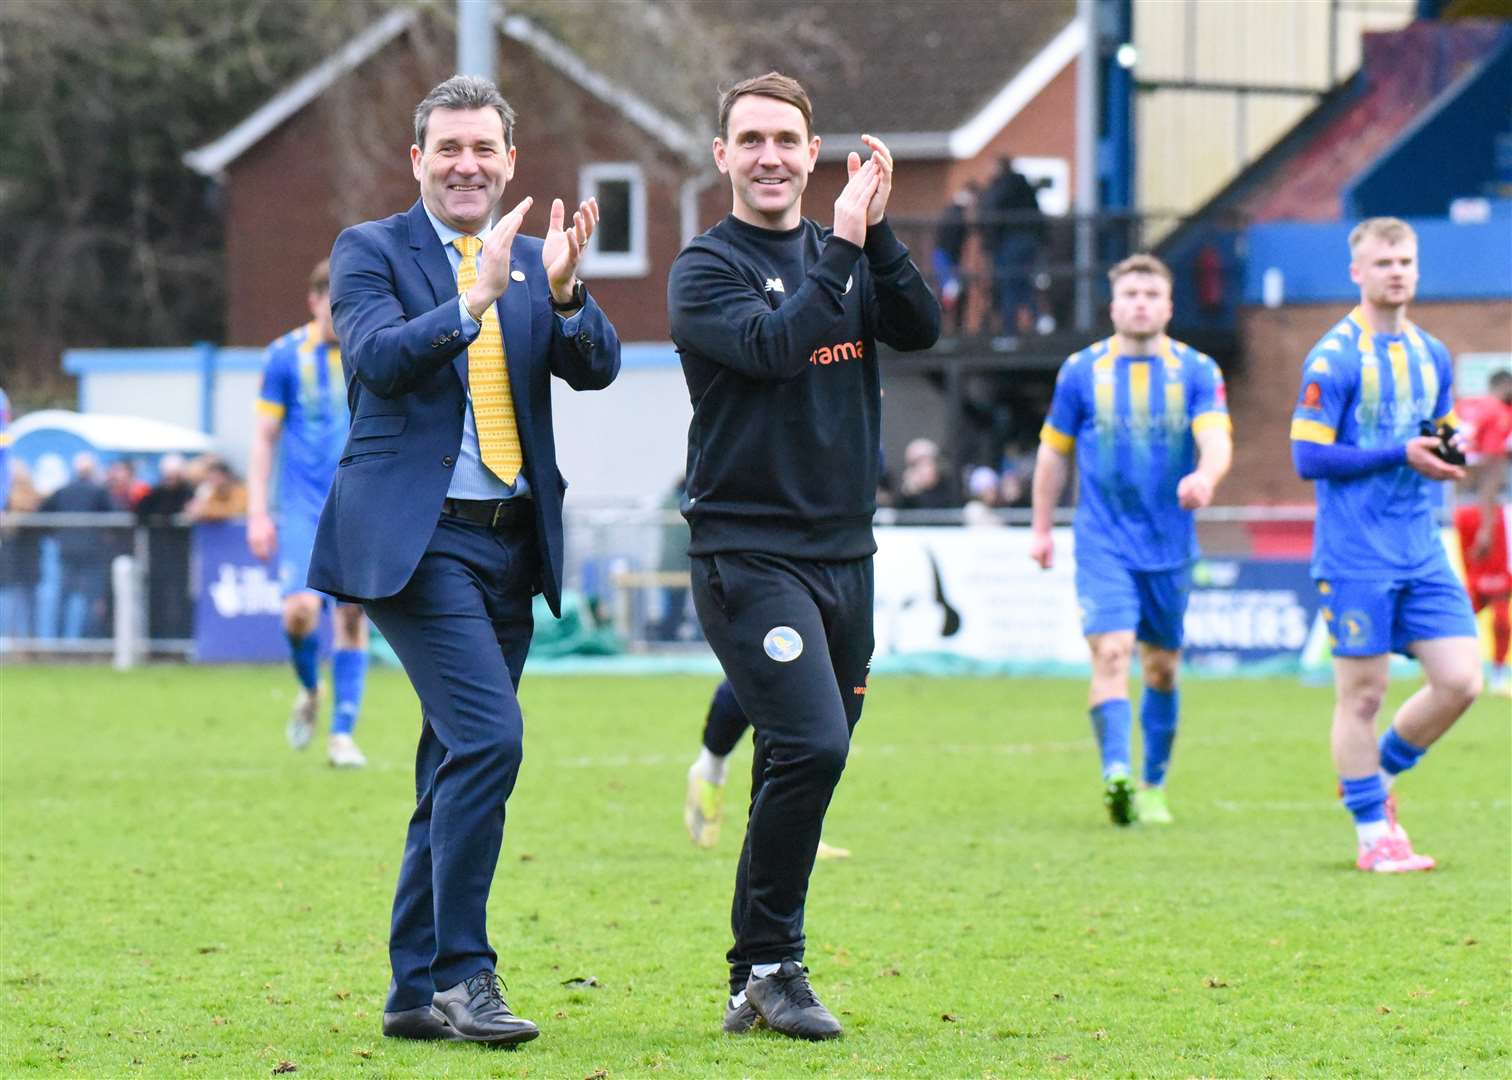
point(517, 275)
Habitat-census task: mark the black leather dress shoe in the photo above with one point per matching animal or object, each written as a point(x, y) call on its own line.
point(477, 1012)
point(786, 1001)
point(421, 1023)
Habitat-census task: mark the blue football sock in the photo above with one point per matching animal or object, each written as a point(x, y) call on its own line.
point(1397, 754)
point(348, 672)
point(1111, 722)
point(1157, 719)
point(305, 652)
point(1365, 798)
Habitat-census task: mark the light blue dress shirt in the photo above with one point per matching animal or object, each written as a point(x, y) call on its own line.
point(471, 479)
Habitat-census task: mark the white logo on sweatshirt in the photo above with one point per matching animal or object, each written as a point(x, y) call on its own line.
point(774, 284)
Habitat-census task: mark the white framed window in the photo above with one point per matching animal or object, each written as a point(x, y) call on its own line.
point(618, 245)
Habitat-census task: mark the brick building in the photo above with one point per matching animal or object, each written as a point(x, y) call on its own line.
point(977, 81)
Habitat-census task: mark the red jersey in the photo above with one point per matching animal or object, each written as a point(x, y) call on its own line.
point(1489, 420)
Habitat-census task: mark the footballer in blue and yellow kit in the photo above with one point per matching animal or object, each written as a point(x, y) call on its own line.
point(1132, 423)
point(304, 390)
point(1146, 419)
point(303, 415)
point(1382, 572)
point(1372, 390)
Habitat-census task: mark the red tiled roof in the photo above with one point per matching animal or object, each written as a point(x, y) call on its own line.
point(926, 65)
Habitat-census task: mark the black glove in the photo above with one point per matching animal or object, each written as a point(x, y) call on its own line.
point(1446, 451)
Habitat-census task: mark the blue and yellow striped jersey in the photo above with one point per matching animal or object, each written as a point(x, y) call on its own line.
point(1372, 391)
point(303, 386)
point(1131, 421)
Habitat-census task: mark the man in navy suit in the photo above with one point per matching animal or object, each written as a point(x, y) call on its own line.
point(445, 515)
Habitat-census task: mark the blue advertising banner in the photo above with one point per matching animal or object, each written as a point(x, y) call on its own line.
point(238, 613)
point(1245, 612)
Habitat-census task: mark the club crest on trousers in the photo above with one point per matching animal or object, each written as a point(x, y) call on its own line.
point(783, 644)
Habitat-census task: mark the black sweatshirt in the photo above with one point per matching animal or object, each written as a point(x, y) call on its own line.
point(778, 332)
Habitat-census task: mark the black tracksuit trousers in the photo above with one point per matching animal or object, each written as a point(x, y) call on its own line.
point(725, 723)
point(795, 639)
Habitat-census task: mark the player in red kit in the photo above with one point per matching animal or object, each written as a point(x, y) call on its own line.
point(1481, 523)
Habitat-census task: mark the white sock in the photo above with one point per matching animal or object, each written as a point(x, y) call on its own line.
point(761, 971)
point(709, 766)
point(1372, 831)
point(738, 1000)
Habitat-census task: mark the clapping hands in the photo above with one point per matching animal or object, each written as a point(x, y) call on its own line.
point(863, 203)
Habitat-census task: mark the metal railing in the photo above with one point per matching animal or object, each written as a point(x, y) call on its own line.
point(631, 567)
point(107, 586)
point(1018, 276)
point(95, 585)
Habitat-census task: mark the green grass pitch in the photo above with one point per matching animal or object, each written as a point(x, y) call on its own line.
point(183, 895)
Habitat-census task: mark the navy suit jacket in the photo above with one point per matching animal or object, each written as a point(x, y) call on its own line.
point(394, 298)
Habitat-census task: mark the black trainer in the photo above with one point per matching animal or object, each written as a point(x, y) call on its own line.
point(787, 1003)
point(421, 1023)
point(477, 1012)
point(739, 1019)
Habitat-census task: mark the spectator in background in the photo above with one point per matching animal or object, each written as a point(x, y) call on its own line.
point(20, 556)
point(82, 555)
point(924, 485)
point(125, 492)
point(981, 497)
point(982, 486)
point(122, 484)
point(1013, 492)
point(196, 469)
point(220, 497)
point(170, 607)
point(172, 494)
point(949, 241)
point(1015, 226)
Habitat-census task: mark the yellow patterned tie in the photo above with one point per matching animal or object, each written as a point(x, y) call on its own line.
point(488, 379)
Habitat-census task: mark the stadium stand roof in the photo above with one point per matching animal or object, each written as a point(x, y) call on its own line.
point(1403, 75)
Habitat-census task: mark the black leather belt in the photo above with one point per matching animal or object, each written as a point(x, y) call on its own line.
point(495, 513)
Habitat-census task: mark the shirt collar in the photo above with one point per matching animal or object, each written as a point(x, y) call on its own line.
point(446, 233)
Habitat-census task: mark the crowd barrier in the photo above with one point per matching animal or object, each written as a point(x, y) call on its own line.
point(951, 596)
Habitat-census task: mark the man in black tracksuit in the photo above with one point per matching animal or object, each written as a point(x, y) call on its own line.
point(777, 320)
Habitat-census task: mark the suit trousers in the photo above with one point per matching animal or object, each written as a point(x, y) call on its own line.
point(461, 627)
point(795, 639)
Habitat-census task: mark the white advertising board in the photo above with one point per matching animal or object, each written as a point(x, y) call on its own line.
point(974, 592)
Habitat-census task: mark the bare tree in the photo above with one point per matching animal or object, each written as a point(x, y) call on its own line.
point(110, 240)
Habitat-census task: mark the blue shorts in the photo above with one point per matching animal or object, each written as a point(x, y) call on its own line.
point(1152, 603)
point(1372, 617)
point(296, 540)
